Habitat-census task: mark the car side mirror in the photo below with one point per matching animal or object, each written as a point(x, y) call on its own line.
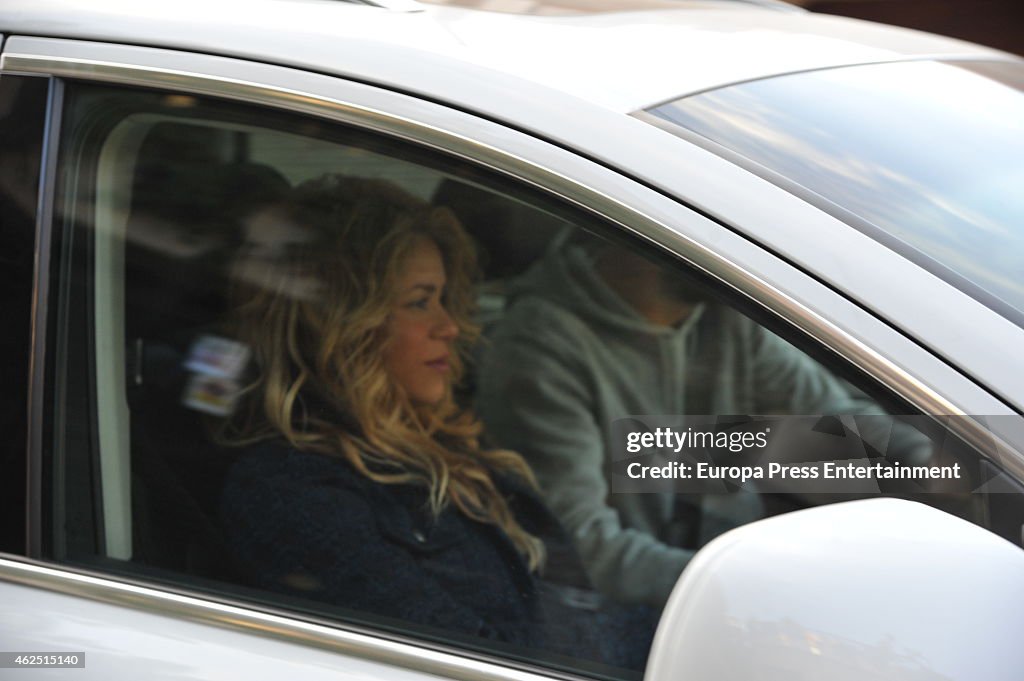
point(863, 590)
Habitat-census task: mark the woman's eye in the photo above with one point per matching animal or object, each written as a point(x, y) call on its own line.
point(419, 303)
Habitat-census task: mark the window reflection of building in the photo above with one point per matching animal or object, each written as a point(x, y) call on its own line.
point(783, 647)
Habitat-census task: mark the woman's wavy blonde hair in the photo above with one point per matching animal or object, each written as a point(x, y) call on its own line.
point(314, 316)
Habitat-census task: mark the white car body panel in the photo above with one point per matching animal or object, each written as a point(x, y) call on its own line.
point(128, 632)
point(912, 594)
point(126, 644)
point(620, 61)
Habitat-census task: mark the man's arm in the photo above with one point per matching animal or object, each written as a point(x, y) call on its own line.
point(791, 382)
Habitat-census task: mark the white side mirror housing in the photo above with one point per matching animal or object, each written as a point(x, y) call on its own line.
point(858, 591)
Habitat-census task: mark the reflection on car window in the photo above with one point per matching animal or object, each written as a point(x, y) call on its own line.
point(942, 194)
point(345, 376)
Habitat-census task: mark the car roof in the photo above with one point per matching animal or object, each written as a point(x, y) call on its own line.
point(624, 55)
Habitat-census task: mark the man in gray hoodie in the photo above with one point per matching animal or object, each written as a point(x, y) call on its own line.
point(594, 333)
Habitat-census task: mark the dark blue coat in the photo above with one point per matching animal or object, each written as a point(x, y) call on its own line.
point(310, 525)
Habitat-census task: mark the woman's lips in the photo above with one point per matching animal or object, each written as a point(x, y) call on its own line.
point(440, 364)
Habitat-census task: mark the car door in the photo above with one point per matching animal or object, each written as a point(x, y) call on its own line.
point(151, 161)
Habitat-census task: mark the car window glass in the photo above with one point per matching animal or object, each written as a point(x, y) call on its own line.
point(940, 197)
point(22, 121)
point(196, 233)
point(266, 386)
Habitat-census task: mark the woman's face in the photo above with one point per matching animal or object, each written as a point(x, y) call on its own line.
point(419, 329)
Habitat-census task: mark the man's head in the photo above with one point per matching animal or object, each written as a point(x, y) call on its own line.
point(662, 293)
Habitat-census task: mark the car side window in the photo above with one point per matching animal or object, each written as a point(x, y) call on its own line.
point(266, 372)
point(328, 371)
point(22, 121)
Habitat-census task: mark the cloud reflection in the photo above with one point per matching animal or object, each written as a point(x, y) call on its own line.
point(930, 153)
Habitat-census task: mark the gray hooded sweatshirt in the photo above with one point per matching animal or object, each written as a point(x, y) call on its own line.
point(570, 356)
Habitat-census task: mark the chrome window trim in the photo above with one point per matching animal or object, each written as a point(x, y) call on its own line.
point(237, 616)
point(593, 200)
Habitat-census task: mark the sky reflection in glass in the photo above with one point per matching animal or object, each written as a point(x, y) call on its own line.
point(931, 154)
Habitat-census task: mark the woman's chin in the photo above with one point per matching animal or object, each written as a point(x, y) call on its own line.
point(428, 398)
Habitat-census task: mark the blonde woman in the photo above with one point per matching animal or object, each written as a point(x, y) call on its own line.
point(363, 483)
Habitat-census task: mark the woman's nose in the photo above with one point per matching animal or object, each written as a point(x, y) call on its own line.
point(445, 328)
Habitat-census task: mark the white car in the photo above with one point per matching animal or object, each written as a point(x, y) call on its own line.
point(851, 188)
